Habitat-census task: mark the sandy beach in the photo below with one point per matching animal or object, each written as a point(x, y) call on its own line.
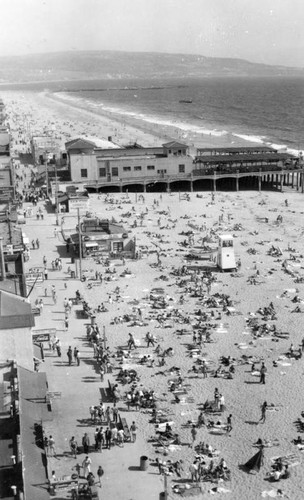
point(271, 272)
point(55, 114)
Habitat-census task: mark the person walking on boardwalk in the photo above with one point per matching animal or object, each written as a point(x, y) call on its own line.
point(133, 430)
point(100, 473)
point(70, 355)
point(86, 443)
point(86, 464)
point(73, 446)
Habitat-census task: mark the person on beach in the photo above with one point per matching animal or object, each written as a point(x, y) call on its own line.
point(133, 430)
point(229, 424)
point(131, 342)
point(263, 372)
point(193, 434)
point(263, 412)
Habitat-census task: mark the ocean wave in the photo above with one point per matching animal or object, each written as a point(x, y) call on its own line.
point(155, 120)
point(252, 138)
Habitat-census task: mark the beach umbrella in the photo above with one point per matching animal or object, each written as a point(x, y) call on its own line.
point(255, 462)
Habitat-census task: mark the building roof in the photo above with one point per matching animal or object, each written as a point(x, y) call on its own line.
point(32, 416)
point(15, 312)
point(239, 150)
point(89, 140)
point(242, 158)
point(4, 139)
point(175, 144)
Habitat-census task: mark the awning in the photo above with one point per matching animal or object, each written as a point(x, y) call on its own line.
point(15, 311)
point(91, 244)
point(34, 385)
point(37, 352)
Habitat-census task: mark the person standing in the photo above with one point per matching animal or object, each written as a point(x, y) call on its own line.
point(86, 465)
point(229, 424)
point(100, 440)
point(77, 358)
point(133, 430)
point(150, 339)
point(51, 447)
point(70, 355)
point(108, 436)
point(263, 372)
point(100, 473)
point(66, 322)
point(86, 443)
point(73, 446)
point(263, 412)
point(131, 342)
point(58, 348)
point(193, 434)
point(115, 413)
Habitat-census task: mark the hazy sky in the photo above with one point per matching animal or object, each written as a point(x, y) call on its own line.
point(267, 31)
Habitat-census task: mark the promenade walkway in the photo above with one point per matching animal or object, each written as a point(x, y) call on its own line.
point(79, 386)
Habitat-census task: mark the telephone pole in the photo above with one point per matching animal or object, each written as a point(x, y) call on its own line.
point(80, 245)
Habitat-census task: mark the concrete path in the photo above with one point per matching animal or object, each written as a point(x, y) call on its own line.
point(79, 386)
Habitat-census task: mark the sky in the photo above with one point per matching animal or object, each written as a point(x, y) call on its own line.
point(263, 31)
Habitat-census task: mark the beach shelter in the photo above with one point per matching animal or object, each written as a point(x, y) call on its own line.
point(255, 462)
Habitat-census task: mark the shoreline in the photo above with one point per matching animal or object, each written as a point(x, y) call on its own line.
point(159, 130)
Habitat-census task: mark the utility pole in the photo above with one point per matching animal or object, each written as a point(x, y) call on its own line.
point(46, 173)
point(56, 196)
point(80, 244)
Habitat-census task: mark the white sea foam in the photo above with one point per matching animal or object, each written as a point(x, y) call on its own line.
point(185, 127)
point(252, 138)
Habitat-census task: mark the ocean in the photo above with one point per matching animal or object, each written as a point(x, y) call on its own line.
point(262, 110)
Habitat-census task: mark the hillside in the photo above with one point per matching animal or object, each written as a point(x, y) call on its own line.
point(63, 66)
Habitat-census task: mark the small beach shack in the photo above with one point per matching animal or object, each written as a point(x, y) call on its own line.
point(103, 237)
point(225, 253)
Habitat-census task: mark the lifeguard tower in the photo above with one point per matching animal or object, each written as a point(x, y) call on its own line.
point(225, 252)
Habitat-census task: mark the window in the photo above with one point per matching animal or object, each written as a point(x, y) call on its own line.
point(150, 167)
point(127, 169)
point(161, 171)
point(137, 168)
point(84, 172)
point(102, 172)
point(181, 169)
point(115, 171)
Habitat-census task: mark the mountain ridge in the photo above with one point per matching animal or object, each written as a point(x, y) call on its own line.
point(91, 65)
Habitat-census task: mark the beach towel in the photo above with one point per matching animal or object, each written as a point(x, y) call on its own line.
point(273, 493)
point(191, 492)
